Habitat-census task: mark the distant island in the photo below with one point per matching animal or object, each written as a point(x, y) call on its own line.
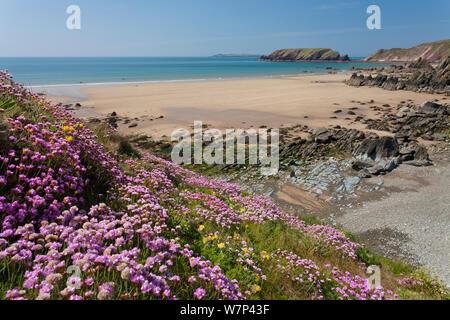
point(433, 52)
point(305, 55)
point(228, 55)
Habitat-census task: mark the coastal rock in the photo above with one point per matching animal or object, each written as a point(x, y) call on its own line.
point(361, 165)
point(377, 148)
point(322, 142)
point(421, 158)
point(375, 156)
point(434, 108)
point(323, 136)
point(383, 166)
point(418, 76)
point(433, 52)
point(305, 54)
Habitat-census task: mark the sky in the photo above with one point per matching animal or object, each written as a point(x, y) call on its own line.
point(206, 27)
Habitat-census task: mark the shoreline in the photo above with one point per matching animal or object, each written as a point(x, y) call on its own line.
point(156, 109)
point(78, 86)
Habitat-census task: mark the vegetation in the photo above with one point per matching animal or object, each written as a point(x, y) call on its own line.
point(305, 54)
point(432, 51)
point(86, 216)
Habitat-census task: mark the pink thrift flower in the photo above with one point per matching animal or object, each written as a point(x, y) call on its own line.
point(199, 293)
point(192, 279)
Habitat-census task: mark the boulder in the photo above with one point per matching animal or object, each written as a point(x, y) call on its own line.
point(361, 165)
point(377, 148)
point(384, 166)
point(421, 153)
point(419, 163)
point(322, 136)
point(433, 108)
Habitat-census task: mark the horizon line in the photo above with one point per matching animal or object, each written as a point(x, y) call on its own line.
point(205, 56)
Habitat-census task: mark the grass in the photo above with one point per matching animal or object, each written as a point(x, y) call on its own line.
point(442, 47)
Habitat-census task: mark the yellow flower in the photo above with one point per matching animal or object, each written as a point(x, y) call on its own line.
point(80, 125)
point(221, 245)
point(69, 138)
point(65, 128)
point(246, 225)
point(201, 228)
point(256, 288)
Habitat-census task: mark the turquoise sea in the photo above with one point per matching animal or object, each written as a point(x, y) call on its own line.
point(64, 71)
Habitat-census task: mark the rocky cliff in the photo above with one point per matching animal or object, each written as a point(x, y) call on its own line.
point(433, 52)
point(305, 54)
point(417, 76)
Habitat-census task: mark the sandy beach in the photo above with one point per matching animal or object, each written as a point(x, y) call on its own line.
point(310, 100)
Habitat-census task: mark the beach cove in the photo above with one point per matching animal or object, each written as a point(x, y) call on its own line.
point(159, 108)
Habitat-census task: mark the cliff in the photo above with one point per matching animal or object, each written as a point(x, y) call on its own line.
point(417, 76)
point(305, 54)
point(433, 52)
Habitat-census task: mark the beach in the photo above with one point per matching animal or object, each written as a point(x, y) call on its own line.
point(159, 108)
point(388, 214)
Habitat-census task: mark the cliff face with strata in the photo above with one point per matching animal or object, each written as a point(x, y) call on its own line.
point(433, 52)
point(304, 54)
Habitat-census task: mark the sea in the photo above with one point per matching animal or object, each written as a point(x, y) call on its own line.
point(100, 71)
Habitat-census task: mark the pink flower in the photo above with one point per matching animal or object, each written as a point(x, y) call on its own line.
point(89, 281)
point(163, 268)
point(199, 293)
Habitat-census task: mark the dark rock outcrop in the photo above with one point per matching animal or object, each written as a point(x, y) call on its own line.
point(433, 108)
point(377, 148)
point(323, 142)
point(375, 156)
point(419, 76)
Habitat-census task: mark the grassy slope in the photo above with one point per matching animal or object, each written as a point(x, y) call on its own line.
point(136, 223)
point(441, 48)
point(306, 53)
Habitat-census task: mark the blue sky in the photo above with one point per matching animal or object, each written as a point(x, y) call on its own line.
point(206, 27)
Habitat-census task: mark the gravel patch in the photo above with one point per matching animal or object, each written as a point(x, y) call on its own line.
point(416, 212)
